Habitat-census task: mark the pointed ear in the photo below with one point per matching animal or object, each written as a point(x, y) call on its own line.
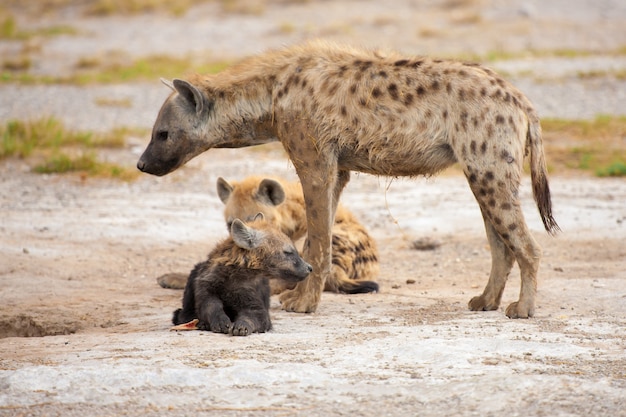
point(224, 189)
point(258, 216)
point(168, 83)
point(193, 96)
point(271, 192)
point(245, 237)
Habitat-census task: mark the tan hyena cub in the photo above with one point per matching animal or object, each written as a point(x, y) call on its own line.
point(354, 251)
point(338, 109)
point(230, 291)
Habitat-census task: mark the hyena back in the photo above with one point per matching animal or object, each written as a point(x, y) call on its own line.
point(354, 251)
point(337, 109)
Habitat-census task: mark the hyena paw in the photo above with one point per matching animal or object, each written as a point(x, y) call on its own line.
point(295, 301)
point(174, 280)
point(242, 328)
point(220, 325)
point(519, 311)
point(479, 303)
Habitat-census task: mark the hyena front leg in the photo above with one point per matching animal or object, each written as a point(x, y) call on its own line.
point(502, 260)
point(318, 174)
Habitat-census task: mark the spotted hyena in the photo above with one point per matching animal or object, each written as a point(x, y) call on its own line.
point(354, 251)
point(338, 109)
point(230, 291)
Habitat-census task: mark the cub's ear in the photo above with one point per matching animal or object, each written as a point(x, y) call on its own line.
point(245, 237)
point(271, 192)
point(191, 94)
point(224, 189)
point(168, 83)
point(258, 216)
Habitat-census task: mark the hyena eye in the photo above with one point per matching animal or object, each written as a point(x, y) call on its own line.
point(162, 135)
point(289, 252)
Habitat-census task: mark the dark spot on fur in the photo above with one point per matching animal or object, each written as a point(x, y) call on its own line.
point(473, 147)
point(344, 112)
point(408, 99)
point(506, 206)
point(363, 102)
point(416, 64)
point(483, 147)
point(420, 91)
point(489, 130)
point(376, 92)
point(492, 202)
point(512, 226)
point(497, 220)
point(461, 94)
point(445, 114)
point(401, 62)
point(483, 92)
point(393, 91)
point(499, 119)
point(462, 73)
point(448, 88)
point(382, 74)
point(434, 85)
point(489, 176)
point(505, 236)
point(353, 88)
point(472, 179)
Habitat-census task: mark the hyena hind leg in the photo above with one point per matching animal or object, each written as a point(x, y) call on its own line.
point(502, 260)
point(506, 228)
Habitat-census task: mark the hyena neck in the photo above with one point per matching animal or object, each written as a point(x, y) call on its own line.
point(242, 97)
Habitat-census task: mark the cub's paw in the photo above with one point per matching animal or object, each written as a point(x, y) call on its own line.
point(518, 311)
point(174, 280)
point(294, 300)
point(220, 324)
point(479, 303)
point(242, 328)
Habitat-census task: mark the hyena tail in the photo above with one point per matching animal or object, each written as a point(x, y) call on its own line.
point(539, 176)
point(339, 282)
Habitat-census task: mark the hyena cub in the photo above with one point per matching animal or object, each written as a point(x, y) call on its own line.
point(354, 251)
point(230, 291)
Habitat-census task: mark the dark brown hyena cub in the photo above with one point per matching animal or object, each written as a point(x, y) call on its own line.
point(230, 292)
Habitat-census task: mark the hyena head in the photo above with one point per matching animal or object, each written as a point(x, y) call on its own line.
point(269, 249)
point(253, 195)
point(178, 133)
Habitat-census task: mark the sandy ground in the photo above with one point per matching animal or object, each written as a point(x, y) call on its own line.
point(79, 257)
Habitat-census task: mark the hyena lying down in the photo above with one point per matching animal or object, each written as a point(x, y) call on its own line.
point(337, 109)
point(354, 251)
point(230, 291)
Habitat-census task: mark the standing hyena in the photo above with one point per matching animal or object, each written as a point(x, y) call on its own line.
point(230, 291)
point(354, 251)
point(336, 109)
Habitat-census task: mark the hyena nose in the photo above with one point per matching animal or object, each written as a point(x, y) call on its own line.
point(141, 165)
point(309, 268)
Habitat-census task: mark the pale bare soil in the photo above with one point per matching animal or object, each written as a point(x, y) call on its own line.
point(79, 257)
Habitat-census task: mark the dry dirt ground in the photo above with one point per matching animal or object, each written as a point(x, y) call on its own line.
point(79, 257)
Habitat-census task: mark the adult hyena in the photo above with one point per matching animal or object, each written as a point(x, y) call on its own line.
point(338, 109)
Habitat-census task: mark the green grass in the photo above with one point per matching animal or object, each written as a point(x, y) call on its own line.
point(51, 148)
point(10, 30)
point(596, 146)
point(93, 71)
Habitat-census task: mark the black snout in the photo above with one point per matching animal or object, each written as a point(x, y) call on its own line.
point(141, 165)
point(309, 268)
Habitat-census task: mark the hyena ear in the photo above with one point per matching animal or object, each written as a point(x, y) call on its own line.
point(191, 94)
point(224, 189)
point(271, 192)
point(245, 237)
point(258, 216)
point(168, 83)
